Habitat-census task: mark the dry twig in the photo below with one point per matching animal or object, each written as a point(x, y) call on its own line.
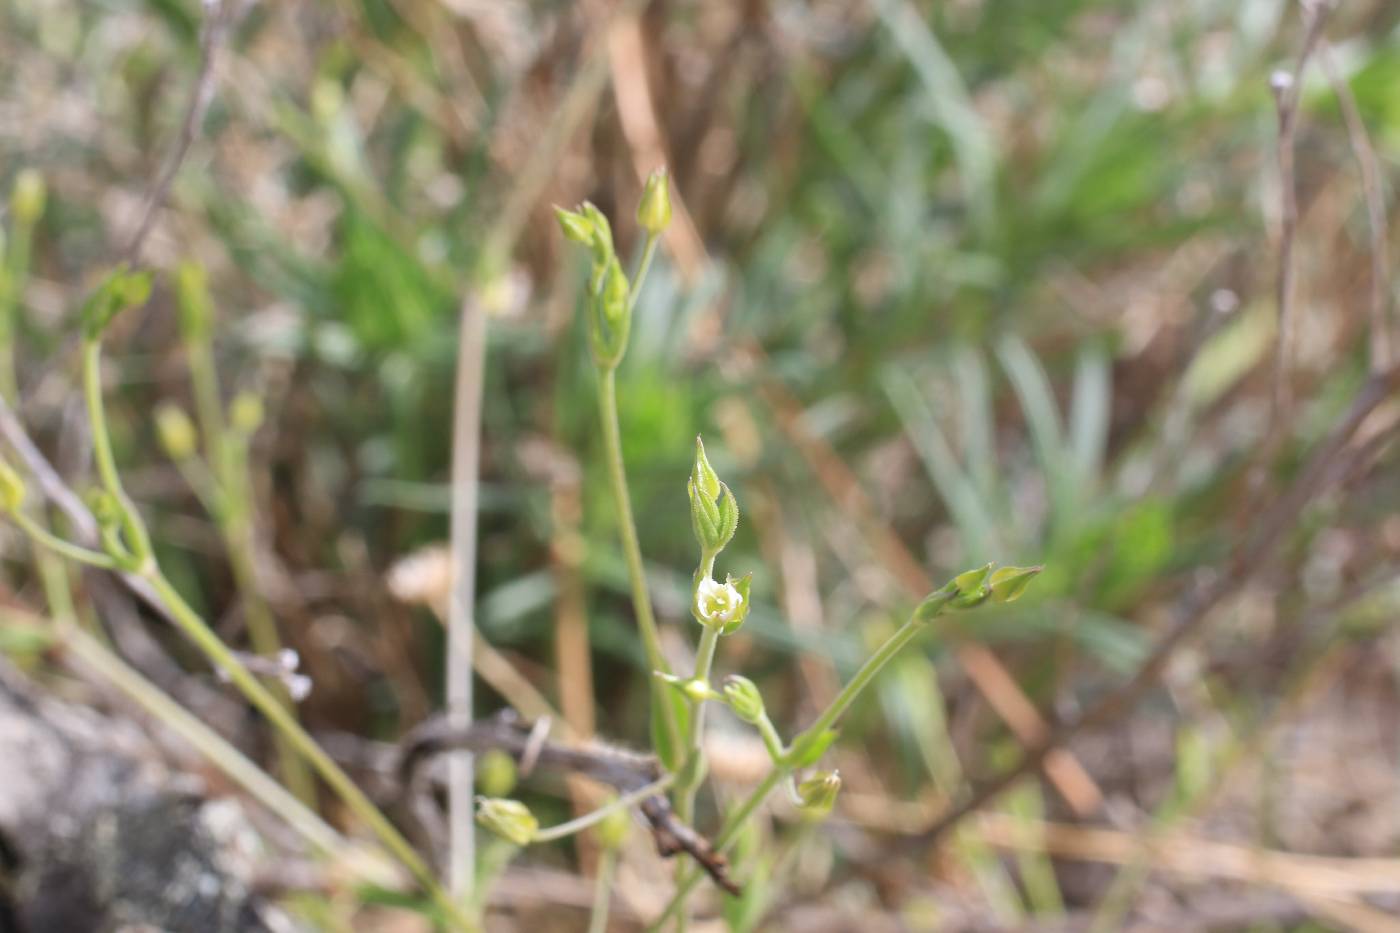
point(622, 769)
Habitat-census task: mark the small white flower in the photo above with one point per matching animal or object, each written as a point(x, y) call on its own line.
point(717, 603)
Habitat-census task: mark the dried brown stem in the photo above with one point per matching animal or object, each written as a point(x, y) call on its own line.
point(622, 769)
point(1382, 341)
point(1288, 89)
point(218, 18)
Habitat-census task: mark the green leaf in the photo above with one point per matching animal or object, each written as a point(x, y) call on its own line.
point(808, 750)
point(672, 756)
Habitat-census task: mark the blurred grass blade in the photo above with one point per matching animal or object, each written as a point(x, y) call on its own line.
point(1037, 400)
point(978, 417)
point(952, 105)
point(1089, 412)
point(964, 504)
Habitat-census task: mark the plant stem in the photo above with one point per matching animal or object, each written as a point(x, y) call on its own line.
point(45, 538)
point(467, 403)
point(864, 677)
point(92, 654)
point(277, 714)
point(137, 538)
point(602, 891)
point(631, 549)
point(219, 654)
point(593, 817)
point(917, 623)
point(265, 640)
point(694, 769)
point(640, 274)
point(727, 834)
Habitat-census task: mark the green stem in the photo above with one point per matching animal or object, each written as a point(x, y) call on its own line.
point(137, 538)
point(864, 677)
point(277, 714)
point(12, 278)
point(727, 834)
point(917, 622)
point(694, 769)
point(42, 536)
point(594, 817)
point(639, 275)
point(220, 753)
point(602, 891)
point(631, 549)
point(228, 498)
point(771, 740)
point(263, 636)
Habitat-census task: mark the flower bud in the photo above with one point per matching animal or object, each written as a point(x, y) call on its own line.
point(11, 488)
point(714, 512)
point(118, 292)
point(176, 432)
point(1008, 583)
point(744, 699)
point(495, 773)
point(27, 197)
point(105, 509)
point(613, 829)
point(817, 794)
point(575, 226)
point(972, 589)
point(193, 300)
point(508, 818)
point(612, 300)
point(602, 241)
point(246, 413)
point(654, 209)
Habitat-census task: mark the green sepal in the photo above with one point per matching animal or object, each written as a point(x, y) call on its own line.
point(1008, 583)
point(575, 226)
point(742, 585)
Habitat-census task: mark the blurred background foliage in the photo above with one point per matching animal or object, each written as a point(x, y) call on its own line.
point(1011, 262)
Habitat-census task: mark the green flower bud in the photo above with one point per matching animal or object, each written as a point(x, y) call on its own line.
point(118, 292)
point(193, 299)
point(246, 412)
point(105, 508)
point(971, 581)
point(654, 209)
point(714, 512)
point(495, 773)
point(575, 226)
point(27, 197)
point(510, 819)
point(1008, 583)
point(972, 588)
point(176, 432)
point(612, 831)
point(603, 252)
point(11, 488)
point(817, 794)
point(744, 699)
point(612, 300)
